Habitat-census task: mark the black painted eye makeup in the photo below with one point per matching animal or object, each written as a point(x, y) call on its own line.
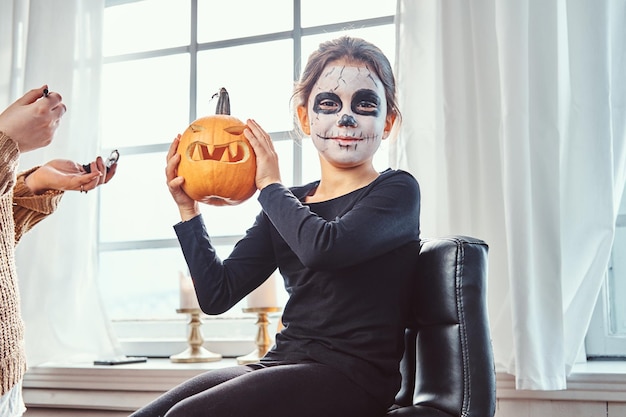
point(365, 102)
point(327, 103)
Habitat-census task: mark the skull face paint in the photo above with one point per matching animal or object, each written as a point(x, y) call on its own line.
point(347, 112)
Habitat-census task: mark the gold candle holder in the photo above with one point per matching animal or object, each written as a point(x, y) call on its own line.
point(262, 337)
point(195, 352)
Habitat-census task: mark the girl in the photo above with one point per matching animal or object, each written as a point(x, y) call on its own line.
point(345, 245)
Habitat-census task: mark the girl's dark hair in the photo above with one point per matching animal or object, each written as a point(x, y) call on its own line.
point(350, 49)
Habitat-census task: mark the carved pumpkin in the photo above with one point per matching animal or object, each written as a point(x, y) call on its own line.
point(217, 161)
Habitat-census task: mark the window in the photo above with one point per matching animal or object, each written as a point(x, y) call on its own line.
point(606, 337)
point(163, 62)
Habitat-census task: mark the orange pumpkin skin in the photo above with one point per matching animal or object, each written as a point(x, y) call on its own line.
point(219, 167)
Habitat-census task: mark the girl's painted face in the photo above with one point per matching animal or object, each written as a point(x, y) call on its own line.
point(346, 115)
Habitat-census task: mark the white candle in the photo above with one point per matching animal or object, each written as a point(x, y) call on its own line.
point(264, 295)
point(188, 298)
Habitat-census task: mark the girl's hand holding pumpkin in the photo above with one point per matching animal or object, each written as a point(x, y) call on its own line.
point(267, 168)
point(187, 207)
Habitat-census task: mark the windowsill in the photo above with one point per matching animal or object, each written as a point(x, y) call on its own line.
point(117, 387)
point(128, 387)
point(590, 381)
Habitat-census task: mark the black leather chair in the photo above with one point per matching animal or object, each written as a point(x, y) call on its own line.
point(448, 367)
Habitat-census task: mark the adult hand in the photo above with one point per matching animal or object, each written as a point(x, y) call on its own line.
point(187, 206)
point(32, 120)
point(267, 168)
point(65, 175)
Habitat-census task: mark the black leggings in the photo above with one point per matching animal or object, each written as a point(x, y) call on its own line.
point(286, 390)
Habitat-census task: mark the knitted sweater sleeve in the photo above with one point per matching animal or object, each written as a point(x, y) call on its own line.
point(9, 155)
point(28, 208)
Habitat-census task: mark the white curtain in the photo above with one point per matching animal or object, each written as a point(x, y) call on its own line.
point(515, 126)
point(59, 43)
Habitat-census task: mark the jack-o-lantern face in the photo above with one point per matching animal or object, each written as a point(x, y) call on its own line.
point(217, 161)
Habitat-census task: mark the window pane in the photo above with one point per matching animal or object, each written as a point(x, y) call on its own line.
point(606, 335)
point(219, 20)
point(323, 12)
point(617, 287)
point(258, 87)
point(145, 25)
point(141, 284)
point(145, 101)
point(140, 206)
point(617, 277)
point(144, 284)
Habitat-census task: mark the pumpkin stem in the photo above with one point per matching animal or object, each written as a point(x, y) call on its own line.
point(223, 102)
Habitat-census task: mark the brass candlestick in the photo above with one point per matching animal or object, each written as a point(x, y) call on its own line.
point(195, 352)
point(262, 337)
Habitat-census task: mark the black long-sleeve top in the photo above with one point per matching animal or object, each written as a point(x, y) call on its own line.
point(347, 265)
